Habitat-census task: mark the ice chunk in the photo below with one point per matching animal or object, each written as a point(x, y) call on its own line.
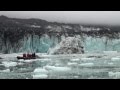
point(70, 64)
point(86, 64)
point(87, 59)
point(115, 59)
point(7, 70)
point(9, 64)
point(40, 76)
point(40, 73)
point(20, 63)
point(40, 70)
point(110, 52)
point(53, 68)
point(77, 59)
point(110, 63)
point(114, 75)
point(46, 59)
point(29, 61)
point(76, 77)
point(57, 64)
point(21, 60)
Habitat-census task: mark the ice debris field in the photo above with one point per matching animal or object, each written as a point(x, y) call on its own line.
point(104, 65)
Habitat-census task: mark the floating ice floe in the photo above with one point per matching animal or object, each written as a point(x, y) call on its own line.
point(20, 63)
point(9, 64)
point(40, 73)
point(87, 59)
point(40, 76)
point(76, 76)
point(110, 52)
point(57, 64)
point(29, 61)
point(115, 59)
point(77, 59)
point(114, 75)
point(72, 64)
point(21, 60)
point(87, 64)
point(61, 69)
point(7, 70)
point(43, 59)
point(40, 70)
point(110, 63)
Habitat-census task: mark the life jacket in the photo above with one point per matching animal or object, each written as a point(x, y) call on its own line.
point(28, 55)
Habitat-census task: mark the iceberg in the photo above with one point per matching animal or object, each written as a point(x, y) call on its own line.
point(59, 69)
point(40, 76)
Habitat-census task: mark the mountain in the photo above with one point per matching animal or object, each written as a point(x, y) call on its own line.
point(23, 35)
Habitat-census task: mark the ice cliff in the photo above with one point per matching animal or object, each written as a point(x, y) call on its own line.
point(36, 35)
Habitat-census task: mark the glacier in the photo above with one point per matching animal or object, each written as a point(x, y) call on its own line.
point(34, 43)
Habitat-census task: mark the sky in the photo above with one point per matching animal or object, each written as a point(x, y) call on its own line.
point(87, 17)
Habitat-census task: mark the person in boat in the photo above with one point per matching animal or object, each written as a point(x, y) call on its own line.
point(24, 55)
point(28, 55)
point(33, 55)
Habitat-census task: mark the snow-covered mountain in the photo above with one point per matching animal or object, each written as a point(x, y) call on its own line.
point(23, 35)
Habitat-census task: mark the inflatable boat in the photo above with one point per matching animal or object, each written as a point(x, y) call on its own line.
point(18, 57)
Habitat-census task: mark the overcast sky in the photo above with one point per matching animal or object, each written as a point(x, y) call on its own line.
point(90, 17)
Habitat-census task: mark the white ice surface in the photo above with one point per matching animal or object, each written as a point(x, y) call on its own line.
point(86, 64)
point(114, 75)
point(59, 69)
point(40, 71)
point(115, 59)
point(87, 59)
point(77, 59)
point(110, 63)
point(72, 64)
point(7, 70)
point(40, 76)
point(9, 64)
point(110, 52)
point(10, 55)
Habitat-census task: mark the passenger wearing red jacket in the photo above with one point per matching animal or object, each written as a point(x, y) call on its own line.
point(24, 55)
